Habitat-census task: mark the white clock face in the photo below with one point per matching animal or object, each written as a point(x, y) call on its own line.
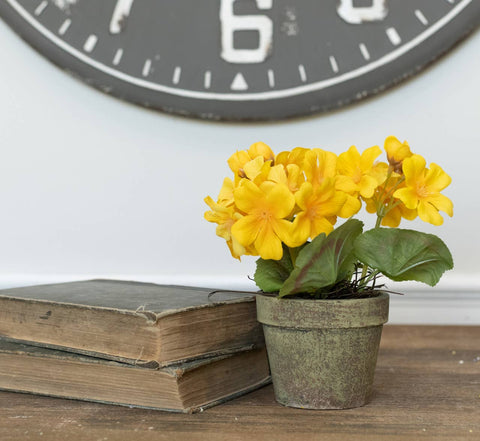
point(242, 59)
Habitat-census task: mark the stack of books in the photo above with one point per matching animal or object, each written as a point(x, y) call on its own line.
point(173, 348)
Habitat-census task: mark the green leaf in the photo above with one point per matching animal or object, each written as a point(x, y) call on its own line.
point(270, 274)
point(404, 254)
point(325, 261)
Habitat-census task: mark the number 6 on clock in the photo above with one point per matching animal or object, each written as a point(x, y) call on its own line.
point(231, 23)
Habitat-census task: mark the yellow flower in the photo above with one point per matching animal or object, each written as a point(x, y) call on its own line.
point(393, 208)
point(397, 152)
point(225, 217)
point(265, 226)
point(239, 160)
point(261, 149)
point(290, 175)
point(291, 157)
point(319, 209)
point(422, 190)
point(319, 165)
point(225, 197)
point(257, 170)
point(357, 173)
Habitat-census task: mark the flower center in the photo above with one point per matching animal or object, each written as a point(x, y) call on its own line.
point(357, 177)
point(265, 215)
point(422, 191)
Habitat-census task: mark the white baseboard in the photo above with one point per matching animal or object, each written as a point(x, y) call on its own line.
point(454, 301)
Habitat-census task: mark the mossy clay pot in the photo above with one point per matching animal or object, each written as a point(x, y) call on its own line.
point(322, 353)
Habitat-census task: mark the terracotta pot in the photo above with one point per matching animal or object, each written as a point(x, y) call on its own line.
point(322, 353)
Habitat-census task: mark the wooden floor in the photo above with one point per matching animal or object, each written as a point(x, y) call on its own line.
point(427, 387)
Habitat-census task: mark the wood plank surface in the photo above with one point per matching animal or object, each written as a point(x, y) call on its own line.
point(427, 387)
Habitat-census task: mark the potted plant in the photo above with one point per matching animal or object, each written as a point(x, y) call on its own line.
point(321, 304)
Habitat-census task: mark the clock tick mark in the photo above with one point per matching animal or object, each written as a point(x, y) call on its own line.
point(90, 43)
point(239, 82)
point(207, 79)
point(271, 78)
point(393, 36)
point(303, 74)
point(176, 75)
point(333, 64)
point(40, 8)
point(117, 57)
point(421, 17)
point(65, 25)
point(146, 67)
point(364, 51)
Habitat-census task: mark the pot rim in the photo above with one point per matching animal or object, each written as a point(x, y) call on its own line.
point(317, 313)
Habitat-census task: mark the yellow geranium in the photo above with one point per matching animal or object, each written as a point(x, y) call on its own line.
point(392, 210)
point(293, 197)
point(225, 217)
point(295, 156)
point(261, 149)
point(241, 161)
point(319, 207)
point(357, 173)
point(422, 190)
point(257, 170)
point(264, 225)
point(319, 165)
point(225, 197)
point(290, 175)
point(397, 152)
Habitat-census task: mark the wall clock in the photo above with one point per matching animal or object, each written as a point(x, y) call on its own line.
point(242, 59)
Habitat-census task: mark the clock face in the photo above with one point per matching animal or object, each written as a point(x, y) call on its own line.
point(242, 59)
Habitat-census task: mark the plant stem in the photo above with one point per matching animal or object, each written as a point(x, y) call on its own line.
point(293, 255)
point(372, 276)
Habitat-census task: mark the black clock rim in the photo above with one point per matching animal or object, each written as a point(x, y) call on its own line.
point(339, 95)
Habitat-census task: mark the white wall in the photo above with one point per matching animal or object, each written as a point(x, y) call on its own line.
point(92, 186)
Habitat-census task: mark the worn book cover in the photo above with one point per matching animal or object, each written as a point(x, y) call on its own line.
point(183, 387)
point(132, 322)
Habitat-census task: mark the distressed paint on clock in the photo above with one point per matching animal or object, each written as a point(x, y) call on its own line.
point(242, 59)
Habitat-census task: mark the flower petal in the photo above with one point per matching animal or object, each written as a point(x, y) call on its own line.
point(284, 230)
point(300, 230)
point(280, 200)
point(436, 179)
point(261, 149)
point(303, 195)
point(333, 205)
point(351, 206)
point(319, 165)
point(267, 243)
point(248, 196)
point(320, 225)
point(346, 184)
point(277, 174)
point(348, 162)
point(408, 196)
point(367, 186)
point(253, 168)
point(226, 192)
point(368, 158)
point(392, 218)
point(428, 213)
point(245, 230)
point(238, 160)
point(441, 202)
point(414, 170)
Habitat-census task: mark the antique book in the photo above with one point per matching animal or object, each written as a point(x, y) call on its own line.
point(131, 322)
point(184, 387)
